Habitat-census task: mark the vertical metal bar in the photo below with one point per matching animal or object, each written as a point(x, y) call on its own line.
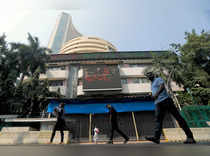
point(134, 122)
point(90, 128)
point(177, 102)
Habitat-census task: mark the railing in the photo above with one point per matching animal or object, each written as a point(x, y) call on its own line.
point(196, 116)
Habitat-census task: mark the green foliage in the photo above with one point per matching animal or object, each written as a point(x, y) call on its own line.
point(31, 57)
point(201, 95)
point(8, 74)
point(18, 60)
point(185, 99)
point(35, 93)
point(189, 66)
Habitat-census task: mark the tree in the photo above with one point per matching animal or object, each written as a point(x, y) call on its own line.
point(32, 62)
point(31, 57)
point(17, 61)
point(35, 93)
point(8, 74)
point(188, 65)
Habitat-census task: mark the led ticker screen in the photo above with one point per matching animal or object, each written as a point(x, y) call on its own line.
point(101, 77)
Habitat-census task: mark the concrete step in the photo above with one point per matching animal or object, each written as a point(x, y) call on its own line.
point(16, 129)
point(178, 135)
point(30, 137)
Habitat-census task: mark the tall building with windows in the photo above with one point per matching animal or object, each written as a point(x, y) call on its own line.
point(63, 32)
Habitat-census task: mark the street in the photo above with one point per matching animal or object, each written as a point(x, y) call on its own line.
point(142, 149)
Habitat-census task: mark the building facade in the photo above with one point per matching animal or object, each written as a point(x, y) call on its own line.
point(87, 89)
point(66, 68)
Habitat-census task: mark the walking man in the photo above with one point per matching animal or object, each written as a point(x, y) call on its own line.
point(60, 124)
point(114, 124)
point(164, 103)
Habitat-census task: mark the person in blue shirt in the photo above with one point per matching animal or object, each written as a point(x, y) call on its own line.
point(163, 104)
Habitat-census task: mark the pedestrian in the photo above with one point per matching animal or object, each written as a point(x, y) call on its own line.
point(95, 136)
point(114, 124)
point(163, 104)
point(60, 123)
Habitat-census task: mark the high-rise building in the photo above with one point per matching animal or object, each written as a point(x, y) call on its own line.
point(64, 31)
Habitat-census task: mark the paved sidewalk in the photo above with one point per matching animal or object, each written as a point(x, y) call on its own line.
point(119, 142)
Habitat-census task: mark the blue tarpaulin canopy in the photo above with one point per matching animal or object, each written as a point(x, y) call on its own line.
point(100, 107)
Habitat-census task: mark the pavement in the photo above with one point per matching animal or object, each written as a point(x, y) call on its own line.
point(117, 149)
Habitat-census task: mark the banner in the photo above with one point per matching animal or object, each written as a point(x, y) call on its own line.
point(100, 107)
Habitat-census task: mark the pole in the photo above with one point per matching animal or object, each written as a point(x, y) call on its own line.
point(177, 101)
point(134, 122)
point(90, 128)
point(169, 90)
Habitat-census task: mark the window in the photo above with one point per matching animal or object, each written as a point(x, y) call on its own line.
point(135, 80)
point(57, 68)
point(143, 80)
point(133, 65)
point(56, 83)
point(137, 65)
point(129, 80)
point(124, 81)
point(63, 67)
point(126, 65)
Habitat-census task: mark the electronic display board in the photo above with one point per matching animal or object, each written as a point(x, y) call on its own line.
point(101, 77)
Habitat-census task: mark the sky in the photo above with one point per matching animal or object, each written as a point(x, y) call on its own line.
point(134, 25)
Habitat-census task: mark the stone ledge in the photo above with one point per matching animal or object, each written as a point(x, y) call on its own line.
point(16, 129)
point(178, 135)
point(40, 137)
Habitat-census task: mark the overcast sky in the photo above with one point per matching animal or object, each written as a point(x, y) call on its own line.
point(128, 24)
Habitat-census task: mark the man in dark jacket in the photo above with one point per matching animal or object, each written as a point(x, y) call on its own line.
point(114, 124)
point(60, 124)
point(164, 103)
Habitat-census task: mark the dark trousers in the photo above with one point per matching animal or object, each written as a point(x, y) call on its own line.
point(60, 125)
point(116, 128)
point(160, 111)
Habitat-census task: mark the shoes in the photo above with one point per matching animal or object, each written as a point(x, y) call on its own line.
point(49, 143)
point(61, 143)
point(190, 141)
point(153, 139)
point(110, 142)
point(126, 140)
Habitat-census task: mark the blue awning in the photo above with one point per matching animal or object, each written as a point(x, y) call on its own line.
point(99, 108)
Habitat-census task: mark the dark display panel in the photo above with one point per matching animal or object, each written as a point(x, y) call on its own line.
point(101, 77)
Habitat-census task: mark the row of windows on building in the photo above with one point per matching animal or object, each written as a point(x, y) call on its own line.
point(56, 83)
point(134, 80)
point(132, 65)
point(127, 81)
point(56, 68)
point(123, 81)
point(120, 65)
